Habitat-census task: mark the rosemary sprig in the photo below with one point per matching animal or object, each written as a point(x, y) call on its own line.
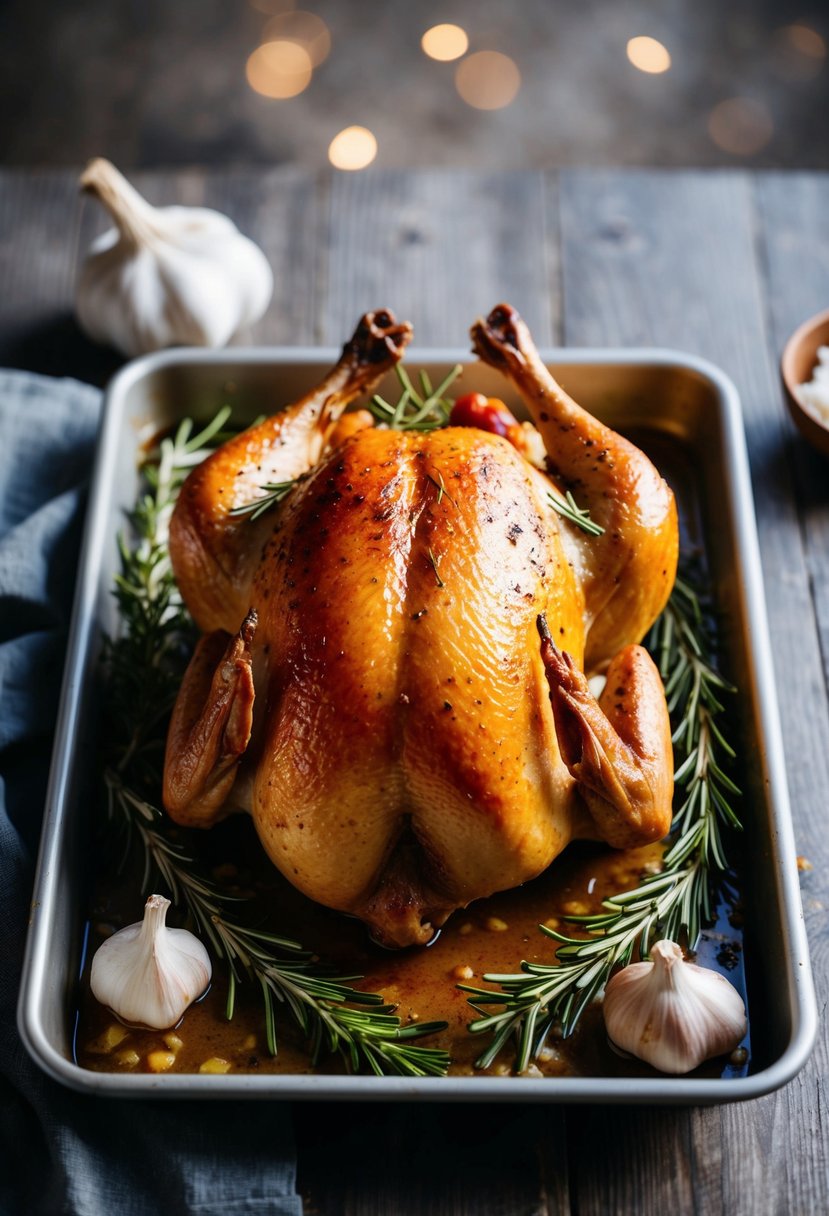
point(320, 1001)
point(144, 667)
point(675, 902)
point(275, 492)
point(434, 564)
point(567, 508)
point(146, 662)
point(423, 409)
point(440, 486)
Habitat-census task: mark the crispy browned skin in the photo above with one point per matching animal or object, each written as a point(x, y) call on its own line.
point(411, 749)
point(628, 573)
point(215, 554)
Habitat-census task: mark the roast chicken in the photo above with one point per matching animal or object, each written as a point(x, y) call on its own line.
point(393, 677)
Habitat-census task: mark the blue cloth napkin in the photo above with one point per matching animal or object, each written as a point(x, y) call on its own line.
point(62, 1152)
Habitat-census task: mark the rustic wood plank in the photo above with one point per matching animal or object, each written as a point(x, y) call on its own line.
point(46, 227)
point(284, 210)
point(629, 1160)
point(367, 1160)
point(440, 249)
point(40, 215)
point(668, 259)
point(793, 238)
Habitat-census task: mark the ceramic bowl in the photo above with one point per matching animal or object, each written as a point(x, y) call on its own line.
point(796, 367)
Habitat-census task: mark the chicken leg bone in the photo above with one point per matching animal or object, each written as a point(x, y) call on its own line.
point(630, 568)
point(215, 553)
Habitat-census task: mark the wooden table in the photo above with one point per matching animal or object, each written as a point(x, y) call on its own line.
point(721, 264)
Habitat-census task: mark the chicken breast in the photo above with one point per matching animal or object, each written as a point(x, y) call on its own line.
point(393, 678)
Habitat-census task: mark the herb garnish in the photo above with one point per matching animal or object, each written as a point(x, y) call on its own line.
point(434, 564)
point(675, 902)
point(580, 516)
point(144, 666)
point(425, 409)
point(275, 492)
point(440, 486)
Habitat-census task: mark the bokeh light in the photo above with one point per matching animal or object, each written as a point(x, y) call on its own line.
point(798, 52)
point(353, 148)
point(305, 29)
point(648, 55)
point(279, 69)
point(445, 42)
point(806, 40)
point(487, 80)
point(740, 126)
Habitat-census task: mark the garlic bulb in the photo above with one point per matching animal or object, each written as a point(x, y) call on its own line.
point(671, 1013)
point(149, 974)
point(166, 276)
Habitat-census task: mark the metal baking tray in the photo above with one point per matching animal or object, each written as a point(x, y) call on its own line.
point(680, 397)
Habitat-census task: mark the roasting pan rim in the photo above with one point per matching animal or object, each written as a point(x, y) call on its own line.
point(46, 933)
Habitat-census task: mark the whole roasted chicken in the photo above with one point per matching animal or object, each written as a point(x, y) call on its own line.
point(392, 674)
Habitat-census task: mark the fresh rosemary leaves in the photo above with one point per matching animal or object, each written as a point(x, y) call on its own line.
point(144, 666)
point(425, 409)
point(678, 900)
point(275, 492)
point(580, 516)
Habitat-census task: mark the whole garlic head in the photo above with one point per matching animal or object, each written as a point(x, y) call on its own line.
point(166, 276)
point(673, 1014)
point(149, 974)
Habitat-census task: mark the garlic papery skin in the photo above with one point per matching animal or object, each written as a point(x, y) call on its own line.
point(673, 1014)
point(148, 974)
point(166, 276)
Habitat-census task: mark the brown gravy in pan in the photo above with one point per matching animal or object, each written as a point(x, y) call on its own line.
point(493, 935)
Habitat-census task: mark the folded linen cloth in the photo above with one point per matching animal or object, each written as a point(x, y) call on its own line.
point(62, 1152)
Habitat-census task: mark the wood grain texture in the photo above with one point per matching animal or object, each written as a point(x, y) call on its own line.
point(793, 244)
point(284, 210)
point(625, 1161)
point(671, 259)
point(40, 224)
point(46, 227)
point(724, 265)
point(471, 1160)
point(441, 249)
point(793, 237)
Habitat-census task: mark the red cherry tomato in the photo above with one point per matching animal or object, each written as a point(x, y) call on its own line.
point(486, 413)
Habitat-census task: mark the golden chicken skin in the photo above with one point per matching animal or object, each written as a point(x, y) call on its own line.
point(392, 674)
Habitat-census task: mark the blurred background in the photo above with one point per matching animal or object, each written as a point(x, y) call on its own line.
point(471, 83)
